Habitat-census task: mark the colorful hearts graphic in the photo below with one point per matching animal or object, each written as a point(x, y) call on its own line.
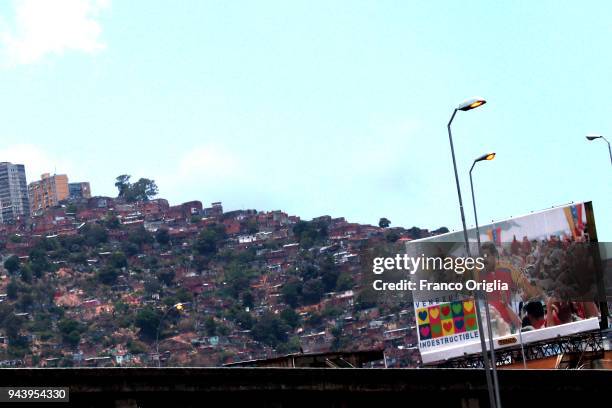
point(423, 315)
point(445, 310)
point(447, 327)
point(468, 306)
point(457, 308)
point(425, 332)
point(434, 312)
point(470, 322)
point(436, 330)
point(459, 324)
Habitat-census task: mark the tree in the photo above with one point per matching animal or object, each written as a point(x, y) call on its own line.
point(11, 264)
point(329, 273)
point(210, 326)
point(162, 236)
point(136, 347)
point(152, 286)
point(94, 234)
point(310, 232)
point(38, 261)
point(147, 320)
point(112, 222)
point(384, 223)
point(140, 236)
point(12, 289)
point(391, 236)
point(123, 184)
point(237, 278)
point(244, 319)
point(71, 208)
point(312, 291)
point(108, 275)
point(345, 281)
point(129, 248)
point(71, 331)
point(209, 240)
point(12, 325)
point(291, 292)
point(339, 342)
point(26, 275)
point(142, 190)
point(118, 260)
point(166, 276)
point(290, 317)
point(270, 330)
point(248, 299)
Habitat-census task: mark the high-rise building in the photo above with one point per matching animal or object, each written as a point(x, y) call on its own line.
point(79, 190)
point(13, 192)
point(47, 192)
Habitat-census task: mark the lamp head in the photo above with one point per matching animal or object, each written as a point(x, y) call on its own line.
point(593, 137)
point(471, 103)
point(488, 156)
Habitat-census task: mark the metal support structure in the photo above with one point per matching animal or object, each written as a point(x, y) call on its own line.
point(587, 343)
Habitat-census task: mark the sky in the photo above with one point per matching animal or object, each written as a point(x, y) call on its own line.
point(331, 107)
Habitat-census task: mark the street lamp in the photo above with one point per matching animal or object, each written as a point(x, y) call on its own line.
point(471, 103)
point(590, 138)
point(486, 157)
point(179, 307)
point(467, 105)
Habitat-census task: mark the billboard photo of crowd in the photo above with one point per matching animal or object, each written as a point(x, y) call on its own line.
point(549, 262)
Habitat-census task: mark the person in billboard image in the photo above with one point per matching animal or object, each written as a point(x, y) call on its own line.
point(566, 270)
point(497, 269)
point(535, 316)
point(557, 272)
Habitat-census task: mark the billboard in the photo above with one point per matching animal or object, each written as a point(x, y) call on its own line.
point(540, 273)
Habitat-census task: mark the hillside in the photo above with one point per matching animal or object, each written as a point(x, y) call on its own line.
point(96, 282)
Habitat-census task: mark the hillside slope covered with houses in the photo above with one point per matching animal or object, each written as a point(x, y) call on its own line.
point(107, 282)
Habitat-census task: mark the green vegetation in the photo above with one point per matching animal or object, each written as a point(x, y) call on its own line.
point(142, 190)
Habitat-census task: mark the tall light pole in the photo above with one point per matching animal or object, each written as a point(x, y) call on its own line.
point(590, 138)
point(179, 306)
point(488, 156)
point(467, 105)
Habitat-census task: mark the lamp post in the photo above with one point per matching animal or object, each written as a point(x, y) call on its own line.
point(179, 306)
point(590, 138)
point(486, 157)
point(604, 305)
point(467, 105)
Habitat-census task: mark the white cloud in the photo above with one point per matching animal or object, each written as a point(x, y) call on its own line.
point(43, 27)
point(35, 160)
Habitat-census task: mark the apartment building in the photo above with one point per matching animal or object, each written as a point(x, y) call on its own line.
point(13, 192)
point(79, 190)
point(47, 192)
